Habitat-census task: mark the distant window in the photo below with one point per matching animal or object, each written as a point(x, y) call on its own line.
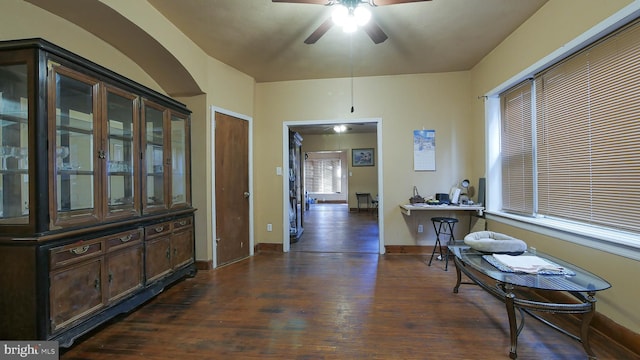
point(323, 173)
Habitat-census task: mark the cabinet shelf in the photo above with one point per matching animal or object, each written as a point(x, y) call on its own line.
point(69, 130)
point(127, 139)
point(155, 143)
point(14, 172)
point(74, 122)
point(120, 206)
point(20, 117)
point(74, 172)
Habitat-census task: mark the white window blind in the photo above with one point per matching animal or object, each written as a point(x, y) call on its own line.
point(323, 175)
point(517, 150)
point(587, 128)
point(589, 149)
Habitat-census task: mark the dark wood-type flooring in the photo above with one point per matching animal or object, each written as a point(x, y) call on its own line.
point(327, 305)
point(332, 228)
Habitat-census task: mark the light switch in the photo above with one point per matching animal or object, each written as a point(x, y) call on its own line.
point(279, 170)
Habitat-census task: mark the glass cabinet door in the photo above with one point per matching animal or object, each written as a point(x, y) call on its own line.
point(14, 144)
point(121, 129)
point(154, 191)
point(180, 194)
point(73, 97)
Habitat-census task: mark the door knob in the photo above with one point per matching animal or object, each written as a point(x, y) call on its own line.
point(246, 194)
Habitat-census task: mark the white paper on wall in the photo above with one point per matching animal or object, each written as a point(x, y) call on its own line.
point(424, 150)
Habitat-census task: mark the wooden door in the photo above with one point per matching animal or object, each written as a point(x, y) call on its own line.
point(232, 188)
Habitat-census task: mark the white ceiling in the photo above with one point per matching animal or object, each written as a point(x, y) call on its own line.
point(266, 39)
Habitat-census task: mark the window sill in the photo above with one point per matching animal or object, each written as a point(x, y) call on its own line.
point(615, 242)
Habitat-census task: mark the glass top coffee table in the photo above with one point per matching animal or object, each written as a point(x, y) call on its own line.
point(507, 285)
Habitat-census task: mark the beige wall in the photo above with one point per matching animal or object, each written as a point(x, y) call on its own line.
point(21, 20)
point(404, 103)
point(556, 24)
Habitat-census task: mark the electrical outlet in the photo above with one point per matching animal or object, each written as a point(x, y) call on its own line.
point(420, 228)
point(269, 227)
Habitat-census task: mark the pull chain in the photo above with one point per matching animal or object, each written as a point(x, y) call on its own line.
point(351, 68)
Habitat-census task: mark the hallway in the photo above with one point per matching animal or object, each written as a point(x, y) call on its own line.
point(332, 228)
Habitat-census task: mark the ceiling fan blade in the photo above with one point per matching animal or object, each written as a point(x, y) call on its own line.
point(375, 32)
point(392, 2)
point(321, 30)
point(319, 2)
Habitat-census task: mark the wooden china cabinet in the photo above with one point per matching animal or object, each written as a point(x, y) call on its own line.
point(95, 193)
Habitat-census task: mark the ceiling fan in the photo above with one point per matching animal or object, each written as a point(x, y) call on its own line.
point(350, 14)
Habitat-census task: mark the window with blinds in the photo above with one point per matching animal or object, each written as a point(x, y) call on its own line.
point(323, 175)
point(516, 150)
point(587, 136)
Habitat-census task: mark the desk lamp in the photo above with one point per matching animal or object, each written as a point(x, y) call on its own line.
point(464, 197)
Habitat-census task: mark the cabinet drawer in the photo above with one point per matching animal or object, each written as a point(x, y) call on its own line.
point(183, 222)
point(152, 231)
point(78, 251)
point(123, 239)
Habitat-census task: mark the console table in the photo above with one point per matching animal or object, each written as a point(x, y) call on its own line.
point(579, 283)
point(407, 209)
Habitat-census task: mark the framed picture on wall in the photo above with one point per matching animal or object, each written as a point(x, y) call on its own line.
point(362, 157)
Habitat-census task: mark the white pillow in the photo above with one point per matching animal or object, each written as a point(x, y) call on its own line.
point(495, 243)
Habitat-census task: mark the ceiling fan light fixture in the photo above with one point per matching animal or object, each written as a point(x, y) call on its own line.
point(350, 25)
point(349, 18)
point(340, 14)
point(362, 15)
point(340, 128)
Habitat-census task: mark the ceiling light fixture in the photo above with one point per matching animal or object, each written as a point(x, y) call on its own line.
point(340, 128)
point(350, 16)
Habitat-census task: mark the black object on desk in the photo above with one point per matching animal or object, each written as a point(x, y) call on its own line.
point(442, 198)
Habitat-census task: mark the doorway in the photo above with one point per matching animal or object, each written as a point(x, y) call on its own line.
point(376, 123)
point(232, 201)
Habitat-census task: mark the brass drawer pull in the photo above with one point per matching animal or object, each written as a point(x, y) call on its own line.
point(80, 250)
point(159, 229)
point(182, 222)
point(126, 238)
